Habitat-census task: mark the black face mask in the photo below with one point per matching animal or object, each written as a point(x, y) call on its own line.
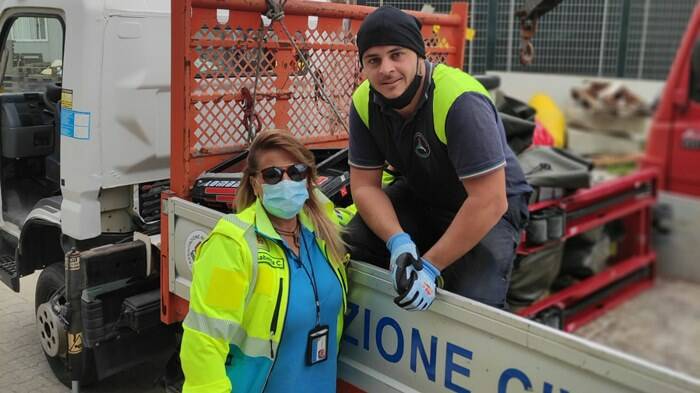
point(405, 98)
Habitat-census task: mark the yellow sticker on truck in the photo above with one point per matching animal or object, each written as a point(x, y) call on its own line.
point(67, 99)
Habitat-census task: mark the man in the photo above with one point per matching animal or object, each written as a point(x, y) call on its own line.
point(457, 207)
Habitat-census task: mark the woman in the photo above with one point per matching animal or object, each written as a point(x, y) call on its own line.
point(268, 291)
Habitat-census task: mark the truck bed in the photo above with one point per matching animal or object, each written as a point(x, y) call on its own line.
point(661, 325)
point(457, 345)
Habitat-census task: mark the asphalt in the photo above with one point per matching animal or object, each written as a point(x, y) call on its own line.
point(23, 367)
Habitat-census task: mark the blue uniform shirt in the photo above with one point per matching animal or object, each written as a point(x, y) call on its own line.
point(293, 374)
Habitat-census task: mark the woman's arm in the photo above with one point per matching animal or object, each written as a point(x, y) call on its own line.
point(203, 357)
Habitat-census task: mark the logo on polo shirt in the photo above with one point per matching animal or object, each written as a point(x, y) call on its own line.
point(422, 148)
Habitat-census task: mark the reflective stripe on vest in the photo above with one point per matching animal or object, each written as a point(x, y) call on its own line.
point(360, 98)
point(450, 83)
point(251, 240)
point(230, 332)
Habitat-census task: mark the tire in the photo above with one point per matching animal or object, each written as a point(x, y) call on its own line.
point(51, 282)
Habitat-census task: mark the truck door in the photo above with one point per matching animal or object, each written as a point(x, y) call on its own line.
point(32, 70)
point(31, 64)
point(684, 176)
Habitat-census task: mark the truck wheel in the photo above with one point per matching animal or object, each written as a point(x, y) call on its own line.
point(50, 294)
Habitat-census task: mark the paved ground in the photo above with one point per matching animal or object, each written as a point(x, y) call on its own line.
point(661, 325)
point(23, 368)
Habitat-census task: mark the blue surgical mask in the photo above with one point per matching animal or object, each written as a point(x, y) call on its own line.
point(285, 199)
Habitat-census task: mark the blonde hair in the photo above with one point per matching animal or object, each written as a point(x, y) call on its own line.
point(326, 229)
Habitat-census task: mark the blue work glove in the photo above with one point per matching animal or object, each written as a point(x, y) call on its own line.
point(403, 257)
point(422, 292)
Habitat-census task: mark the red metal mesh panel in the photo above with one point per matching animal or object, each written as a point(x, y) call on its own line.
point(332, 56)
point(223, 61)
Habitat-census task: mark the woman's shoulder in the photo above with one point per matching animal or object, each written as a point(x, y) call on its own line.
point(225, 244)
point(229, 233)
point(232, 226)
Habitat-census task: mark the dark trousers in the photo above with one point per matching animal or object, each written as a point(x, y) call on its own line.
point(483, 274)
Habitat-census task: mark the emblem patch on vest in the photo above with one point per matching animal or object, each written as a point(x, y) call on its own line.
point(266, 258)
point(422, 148)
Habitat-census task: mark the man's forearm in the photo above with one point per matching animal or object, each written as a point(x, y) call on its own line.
point(473, 221)
point(377, 211)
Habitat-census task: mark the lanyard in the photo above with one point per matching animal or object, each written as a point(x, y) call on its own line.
point(312, 276)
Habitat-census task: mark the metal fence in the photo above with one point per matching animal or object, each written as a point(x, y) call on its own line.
point(610, 38)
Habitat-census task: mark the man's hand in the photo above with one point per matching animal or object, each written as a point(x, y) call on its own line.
point(422, 292)
point(401, 263)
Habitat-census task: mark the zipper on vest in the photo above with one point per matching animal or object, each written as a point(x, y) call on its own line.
point(275, 317)
point(273, 328)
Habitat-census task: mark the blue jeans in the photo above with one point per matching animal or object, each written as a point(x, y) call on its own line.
point(483, 274)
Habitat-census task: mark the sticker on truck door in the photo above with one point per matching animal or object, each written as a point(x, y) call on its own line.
point(67, 99)
point(75, 124)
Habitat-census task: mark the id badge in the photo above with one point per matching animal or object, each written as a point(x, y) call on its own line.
point(317, 345)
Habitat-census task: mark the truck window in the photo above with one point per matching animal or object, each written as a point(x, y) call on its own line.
point(33, 54)
point(695, 72)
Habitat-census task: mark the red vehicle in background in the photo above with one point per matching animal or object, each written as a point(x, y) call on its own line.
point(673, 147)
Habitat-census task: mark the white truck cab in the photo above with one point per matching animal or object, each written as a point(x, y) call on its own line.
point(85, 135)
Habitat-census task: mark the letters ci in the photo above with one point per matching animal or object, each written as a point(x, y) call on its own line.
point(514, 373)
point(387, 329)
